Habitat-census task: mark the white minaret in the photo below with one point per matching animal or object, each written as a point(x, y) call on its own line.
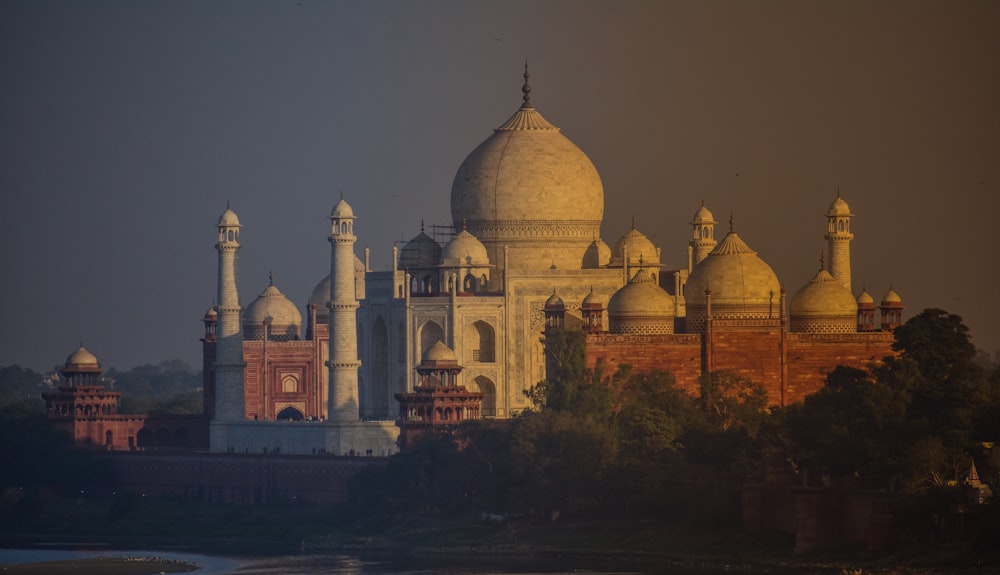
point(703, 237)
point(343, 404)
point(839, 236)
point(229, 363)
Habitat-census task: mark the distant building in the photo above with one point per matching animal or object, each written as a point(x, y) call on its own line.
point(89, 414)
point(437, 402)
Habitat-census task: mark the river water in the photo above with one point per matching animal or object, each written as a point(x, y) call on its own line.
point(317, 564)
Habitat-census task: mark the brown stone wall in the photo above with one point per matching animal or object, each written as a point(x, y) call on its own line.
point(677, 353)
point(812, 356)
point(240, 479)
point(789, 366)
point(753, 353)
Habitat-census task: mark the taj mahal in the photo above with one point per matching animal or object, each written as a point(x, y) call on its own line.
point(523, 250)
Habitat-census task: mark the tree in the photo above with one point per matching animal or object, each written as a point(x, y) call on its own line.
point(852, 425)
point(21, 386)
point(940, 344)
point(946, 387)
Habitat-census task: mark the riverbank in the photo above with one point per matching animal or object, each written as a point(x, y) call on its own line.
point(101, 566)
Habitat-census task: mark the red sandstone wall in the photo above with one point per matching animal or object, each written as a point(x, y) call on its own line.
point(812, 356)
point(752, 352)
point(679, 354)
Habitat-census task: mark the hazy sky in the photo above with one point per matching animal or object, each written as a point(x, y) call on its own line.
point(125, 127)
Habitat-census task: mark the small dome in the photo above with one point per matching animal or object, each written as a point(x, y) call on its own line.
point(864, 298)
point(598, 255)
point(703, 216)
point(229, 219)
point(81, 358)
point(735, 274)
point(743, 286)
point(641, 307)
point(839, 208)
point(592, 299)
point(420, 252)
point(891, 297)
point(639, 248)
point(321, 293)
point(286, 321)
point(555, 301)
point(439, 353)
point(823, 296)
point(342, 210)
point(211, 313)
point(320, 297)
point(465, 249)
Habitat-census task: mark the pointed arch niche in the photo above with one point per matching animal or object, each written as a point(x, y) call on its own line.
point(480, 343)
point(485, 386)
point(430, 334)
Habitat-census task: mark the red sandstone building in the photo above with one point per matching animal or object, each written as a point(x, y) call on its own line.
point(437, 401)
point(84, 409)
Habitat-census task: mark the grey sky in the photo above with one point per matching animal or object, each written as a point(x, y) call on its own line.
point(126, 126)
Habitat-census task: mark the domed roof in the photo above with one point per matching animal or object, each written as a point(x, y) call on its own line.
point(420, 252)
point(555, 301)
point(839, 207)
point(342, 210)
point(703, 216)
point(321, 293)
point(439, 352)
point(823, 296)
point(641, 296)
point(592, 299)
point(321, 296)
point(865, 298)
point(639, 247)
point(81, 358)
point(465, 249)
point(211, 313)
point(891, 297)
point(735, 274)
point(526, 173)
point(598, 254)
point(284, 316)
point(228, 218)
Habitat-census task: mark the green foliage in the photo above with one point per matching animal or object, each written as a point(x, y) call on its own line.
point(940, 344)
point(558, 460)
point(853, 425)
point(171, 387)
point(21, 386)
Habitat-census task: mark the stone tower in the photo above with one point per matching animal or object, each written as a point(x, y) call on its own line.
point(229, 364)
point(839, 236)
point(343, 403)
point(703, 236)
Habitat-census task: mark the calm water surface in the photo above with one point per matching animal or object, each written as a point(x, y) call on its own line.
point(309, 564)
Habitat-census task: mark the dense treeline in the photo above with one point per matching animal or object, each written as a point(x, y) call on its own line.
point(171, 387)
point(624, 445)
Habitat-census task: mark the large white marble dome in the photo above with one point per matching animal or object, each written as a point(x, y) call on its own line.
point(529, 188)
